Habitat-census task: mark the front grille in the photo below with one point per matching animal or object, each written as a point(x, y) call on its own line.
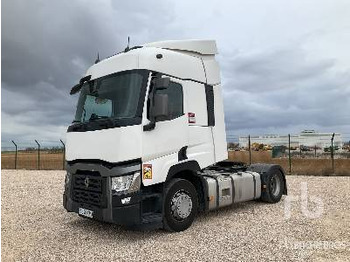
point(89, 189)
point(91, 183)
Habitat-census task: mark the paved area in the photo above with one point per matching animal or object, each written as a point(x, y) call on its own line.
point(35, 227)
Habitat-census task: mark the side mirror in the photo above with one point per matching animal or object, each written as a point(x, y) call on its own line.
point(162, 82)
point(161, 105)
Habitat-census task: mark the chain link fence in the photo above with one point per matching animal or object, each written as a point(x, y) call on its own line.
point(302, 154)
point(297, 155)
point(36, 154)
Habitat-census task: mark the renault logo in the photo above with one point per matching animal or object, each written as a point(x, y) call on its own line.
point(86, 182)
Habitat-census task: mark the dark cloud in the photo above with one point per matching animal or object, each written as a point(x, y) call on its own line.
point(48, 45)
point(284, 89)
point(273, 70)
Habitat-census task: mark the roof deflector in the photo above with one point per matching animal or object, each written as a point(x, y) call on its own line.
point(203, 47)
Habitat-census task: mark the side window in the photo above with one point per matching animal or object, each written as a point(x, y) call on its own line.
point(209, 93)
point(175, 95)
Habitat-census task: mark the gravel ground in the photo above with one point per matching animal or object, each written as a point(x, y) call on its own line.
point(35, 227)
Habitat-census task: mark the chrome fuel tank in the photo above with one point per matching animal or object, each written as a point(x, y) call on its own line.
point(219, 190)
point(224, 189)
point(247, 186)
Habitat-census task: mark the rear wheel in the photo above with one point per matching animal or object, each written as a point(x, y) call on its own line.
point(273, 186)
point(180, 205)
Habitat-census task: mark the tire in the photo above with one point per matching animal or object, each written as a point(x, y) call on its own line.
point(273, 186)
point(180, 205)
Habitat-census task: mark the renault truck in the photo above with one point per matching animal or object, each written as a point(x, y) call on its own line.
point(147, 147)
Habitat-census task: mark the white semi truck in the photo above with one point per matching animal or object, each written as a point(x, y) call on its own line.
point(148, 147)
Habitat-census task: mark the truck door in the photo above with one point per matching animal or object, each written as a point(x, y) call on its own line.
point(161, 146)
point(200, 123)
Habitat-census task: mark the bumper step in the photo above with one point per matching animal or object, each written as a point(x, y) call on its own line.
point(151, 221)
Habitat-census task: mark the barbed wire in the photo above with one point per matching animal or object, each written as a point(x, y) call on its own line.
point(8, 145)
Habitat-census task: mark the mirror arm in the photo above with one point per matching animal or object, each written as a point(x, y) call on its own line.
point(77, 87)
point(84, 79)
point(152, 124)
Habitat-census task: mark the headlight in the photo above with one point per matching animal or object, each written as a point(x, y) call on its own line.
point(126, 184)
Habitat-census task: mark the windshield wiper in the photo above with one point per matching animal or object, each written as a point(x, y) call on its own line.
point(94, 117)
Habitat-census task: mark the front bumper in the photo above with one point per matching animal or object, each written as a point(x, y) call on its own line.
point(130, 210)
point(128, 215)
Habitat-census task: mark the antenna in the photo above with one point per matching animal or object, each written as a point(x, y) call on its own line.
point(128, 46)
point(98, 58)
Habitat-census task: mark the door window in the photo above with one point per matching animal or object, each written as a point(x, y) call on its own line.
point(175, 98)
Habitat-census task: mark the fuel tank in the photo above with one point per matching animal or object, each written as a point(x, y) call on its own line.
point(224, 189)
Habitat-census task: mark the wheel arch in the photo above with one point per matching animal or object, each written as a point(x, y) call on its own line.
point(188, 171)
point(263, 169)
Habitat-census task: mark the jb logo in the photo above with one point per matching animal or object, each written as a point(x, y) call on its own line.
point(305, 202)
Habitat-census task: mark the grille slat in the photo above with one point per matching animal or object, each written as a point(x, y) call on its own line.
point(87, 197)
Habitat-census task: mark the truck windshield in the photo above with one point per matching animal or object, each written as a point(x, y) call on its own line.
point(115, 96)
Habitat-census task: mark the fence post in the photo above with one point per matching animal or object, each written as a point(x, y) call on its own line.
point(250, 151)
point(64, 154)
point(289, 156)
point(38, 154)
point(332, 153)
point(13, 142)
point(315, 151)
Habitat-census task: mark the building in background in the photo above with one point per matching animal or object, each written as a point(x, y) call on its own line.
point(307, 138)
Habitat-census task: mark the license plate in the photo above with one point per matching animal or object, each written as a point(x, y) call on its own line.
point(85, 212)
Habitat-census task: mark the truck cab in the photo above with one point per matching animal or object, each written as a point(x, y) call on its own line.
point(147, 144)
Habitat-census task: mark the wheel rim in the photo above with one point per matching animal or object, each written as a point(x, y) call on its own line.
point(181, 205)
point(275, 185)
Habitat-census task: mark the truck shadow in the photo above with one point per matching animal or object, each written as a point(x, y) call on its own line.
point(107, 231)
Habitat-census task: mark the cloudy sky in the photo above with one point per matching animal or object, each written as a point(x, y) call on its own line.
point(285, 64)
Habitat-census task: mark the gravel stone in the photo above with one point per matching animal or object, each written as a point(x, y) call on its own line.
point(36, 227)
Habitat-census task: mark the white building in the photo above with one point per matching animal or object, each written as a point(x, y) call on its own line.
point(309, 138)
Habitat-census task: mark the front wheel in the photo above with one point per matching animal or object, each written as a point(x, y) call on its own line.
point(180, 205)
